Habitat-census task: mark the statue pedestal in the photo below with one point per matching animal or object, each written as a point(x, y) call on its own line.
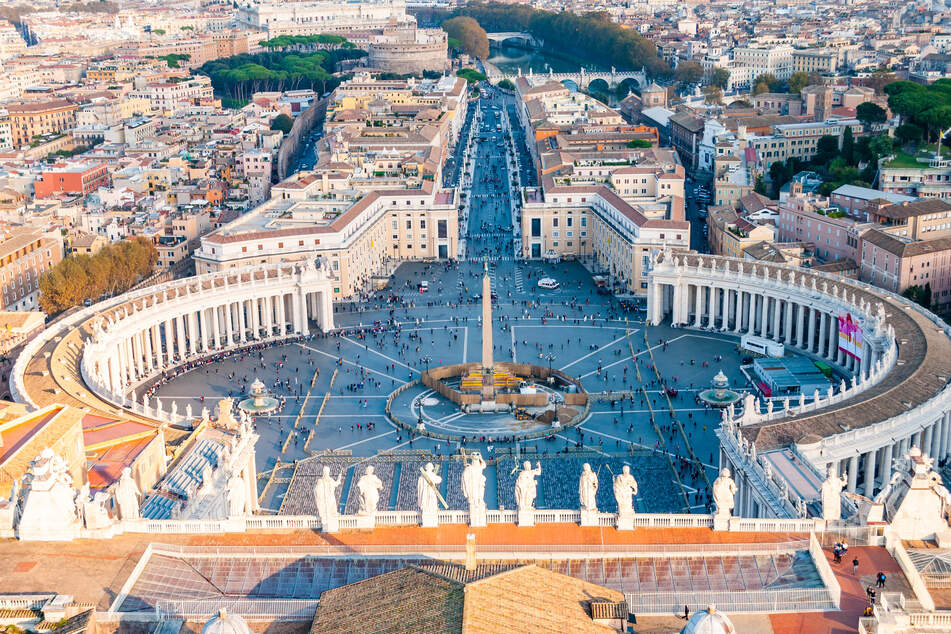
point(526, 517)
point(367, 521)
point(429, 520)
point(721, 522)
point(477, 517)
point(589, 518)
point(625, 521)
point(330, 525)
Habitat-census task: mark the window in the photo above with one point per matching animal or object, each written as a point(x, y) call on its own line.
point(409, 224)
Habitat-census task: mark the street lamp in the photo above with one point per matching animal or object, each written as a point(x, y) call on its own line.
point(551, 357)
point(427, 360)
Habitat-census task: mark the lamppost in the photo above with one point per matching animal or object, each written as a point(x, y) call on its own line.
point(427, 360)
point(551, 357)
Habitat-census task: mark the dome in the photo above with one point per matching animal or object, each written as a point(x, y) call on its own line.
point(224, 623)
point(709, 621)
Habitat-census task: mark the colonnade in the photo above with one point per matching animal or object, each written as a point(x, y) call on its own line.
point(187, 319)
point(808, 324)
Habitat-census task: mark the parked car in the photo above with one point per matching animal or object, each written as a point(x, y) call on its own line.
point(548, 283)
point(423, 286)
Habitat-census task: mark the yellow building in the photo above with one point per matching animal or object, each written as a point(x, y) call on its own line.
point(36, 118)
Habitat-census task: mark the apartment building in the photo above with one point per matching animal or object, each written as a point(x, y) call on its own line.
point(354, 236)
point(776, 60)
point(814, 60)
point(797, 140)
point(25, 254)
point(79, 178)
point(920, 179)
point(811, 219)
point(38, 118)
point(595, 222)
point(896, 263)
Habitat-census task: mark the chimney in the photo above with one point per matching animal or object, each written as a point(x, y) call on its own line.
point(470, 552)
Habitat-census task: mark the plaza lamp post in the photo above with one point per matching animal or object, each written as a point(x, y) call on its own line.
point(551, 357)
point(427, 360)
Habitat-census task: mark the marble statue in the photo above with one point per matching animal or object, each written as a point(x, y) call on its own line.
point(801, 508)
point(427, 489)
point(92, 509)
point(127, 496)
point(526, 488)
point(724, 490)
point(325, 497)
point(49, 504)
point(625, 488)
point(205, 419)
point(225, 417)
point(769, 407)
point(831, 492)
point(473, 483)
point(588, 489)
point(369, 485)
point(237, 495)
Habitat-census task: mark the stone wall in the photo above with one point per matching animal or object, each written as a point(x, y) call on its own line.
point(406, 58)
point(303, 125)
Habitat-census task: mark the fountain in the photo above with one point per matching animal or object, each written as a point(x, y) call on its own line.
point(258, 401)
point(720, 394)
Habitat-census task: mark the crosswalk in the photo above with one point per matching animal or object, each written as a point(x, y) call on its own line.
point(519, 282)
point(491, 258)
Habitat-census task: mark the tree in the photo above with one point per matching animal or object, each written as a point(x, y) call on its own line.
point(506, 84)
point(471, 36)
point(115, 269)
point(760, 186)
point(639, 143)
point(848, 146)
point(471, 75)
point(712, 95)
point(919, 294)
point(282, 122)
point(827, 148)
point(769, 81)
point(798, 81)
point(908, 133)
point(869, 113)
point(720, 77)
point(453, 43)
point(689, 73)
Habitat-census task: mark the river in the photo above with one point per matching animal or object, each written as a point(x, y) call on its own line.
point(511, 59)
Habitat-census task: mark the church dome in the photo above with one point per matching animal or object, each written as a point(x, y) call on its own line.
point(709, 621)
point(224, 623)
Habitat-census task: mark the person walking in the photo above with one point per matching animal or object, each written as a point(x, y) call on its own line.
point(855, 565)
point(880, 579)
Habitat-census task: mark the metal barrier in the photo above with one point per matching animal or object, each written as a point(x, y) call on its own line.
point(749, 601)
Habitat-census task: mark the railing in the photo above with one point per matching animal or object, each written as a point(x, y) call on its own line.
point(24, 601)
point(488, 551)
point(929, 619)
point(257, 609)
point(911, 573)
point(825, 570)
point(748, 601)
point(868, 625)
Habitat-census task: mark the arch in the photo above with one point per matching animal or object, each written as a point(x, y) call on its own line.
point(599, 85)
point(570, 84)
point(626, 86)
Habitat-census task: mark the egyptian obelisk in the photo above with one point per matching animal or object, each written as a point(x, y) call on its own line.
point(486, 322)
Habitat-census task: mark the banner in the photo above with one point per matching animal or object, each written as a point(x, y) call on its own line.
point(850, 337)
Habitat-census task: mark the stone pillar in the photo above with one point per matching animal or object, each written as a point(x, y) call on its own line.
point(115, 383)
point(295, 312)
point(870, 474)
point(738, 311)
point(268, 316)
point(193, 333)
point(698, 305)
point(305, 329)
point(180, 324)
point(946, 435)
point(255, 319)
point(887, 463)
point(229, 324)
point(927, 437)
point(242, 325)
point(821, 344)
point(764, 317)
point(281, 319)
point(712, 308)
point(788, 325)
point(751, 326)
point(810, 345)
point(853, 472)
point(157, 345)
point(169, 341)
point(777, 318)
point(147, 344)
point(936, 434)
point(725, 309)
point(136, 348)
point(866, 359)
point(215, 327)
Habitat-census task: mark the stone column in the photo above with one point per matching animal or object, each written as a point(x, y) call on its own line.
point(936, 434)
point(180, 324)
point(725, 309)
point(821, 344)
point(738, 311)
point(866, 358)
point(242, 324)
point(136, 349)
point(764, 317)
point(810, 345)
point(870, 474)
point(927, 436)
point(229, 324)
point(887, 463)
point(853, 472)
point(789, 322)
point(268, 316)
point(157, 345)
point(281, 319)
point(169, 341)
point(946, 435)
point(305, 328)
point(113, 367)
point(295, 312)
point(712, 308)
point(255, 319)
point(147, 344)
point(698, 302)
point(777, 318)
point(215, 326)
point(833, 336)
point(193, 333)
point(751, 326)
